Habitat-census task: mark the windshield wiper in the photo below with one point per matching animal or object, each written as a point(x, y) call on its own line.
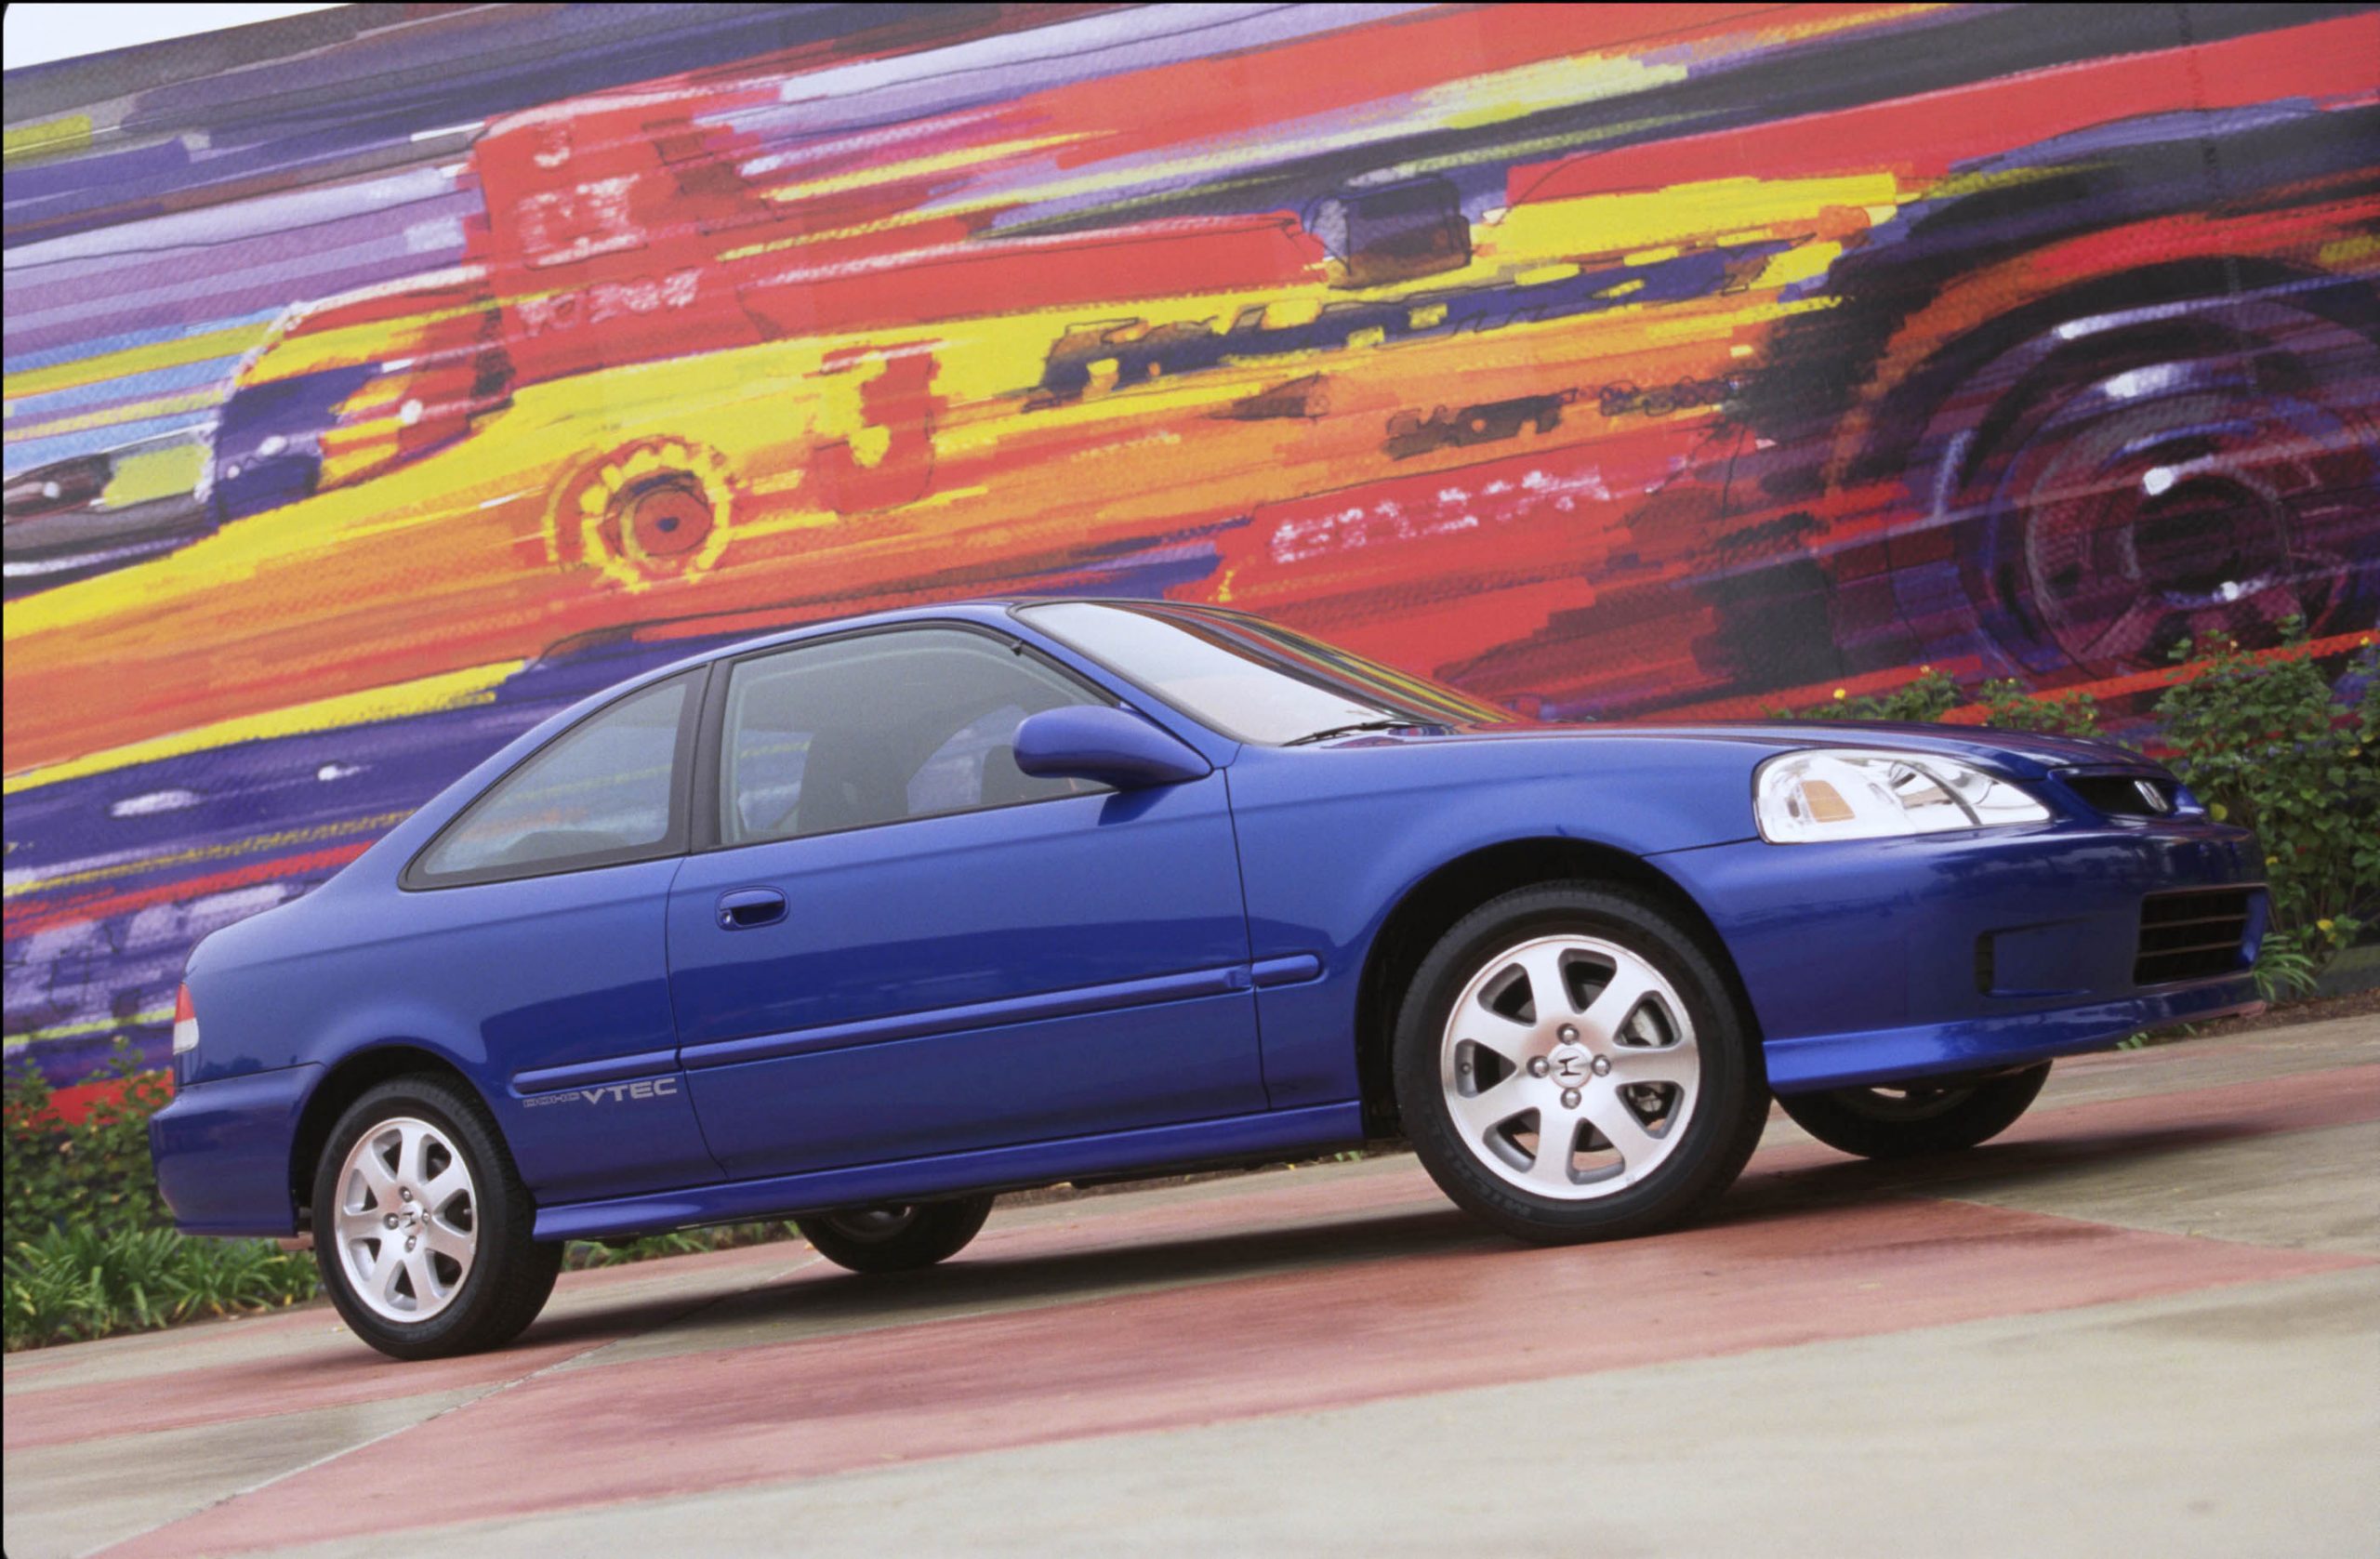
point(1355, 729)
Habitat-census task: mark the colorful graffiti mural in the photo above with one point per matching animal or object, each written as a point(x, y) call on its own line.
point(381, 380)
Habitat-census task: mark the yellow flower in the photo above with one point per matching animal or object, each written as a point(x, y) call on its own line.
point(2217, 811)
point(2322, 926)
point(1839, 693)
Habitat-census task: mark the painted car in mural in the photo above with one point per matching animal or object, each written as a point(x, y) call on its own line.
point(864, 923)
point(1599, 372)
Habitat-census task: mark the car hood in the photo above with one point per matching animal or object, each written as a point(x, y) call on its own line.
point(2019, 753)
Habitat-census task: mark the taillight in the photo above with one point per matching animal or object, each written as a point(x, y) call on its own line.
point(185, 1022)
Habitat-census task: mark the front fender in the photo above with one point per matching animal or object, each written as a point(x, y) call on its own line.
point(1331, 839)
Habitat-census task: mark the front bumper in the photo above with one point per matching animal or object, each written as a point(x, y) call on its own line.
point(1873, 960)
point(222, 1152)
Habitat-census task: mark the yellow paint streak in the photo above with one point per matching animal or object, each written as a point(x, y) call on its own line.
point(116, 417)
point(922, 168)
point(1580, 78)
point(229, 342)
point(2349, 251)
point(89, 1025)
point(451, 690)
point(1655, 219)
point(50, 137)
point(312, 834)
point(1798, 264)
point(154, 474)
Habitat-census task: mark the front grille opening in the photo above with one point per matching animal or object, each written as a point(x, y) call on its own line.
point(2124, 796)
point(2191, 935)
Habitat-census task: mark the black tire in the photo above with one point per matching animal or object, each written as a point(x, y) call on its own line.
point(511, 1273)
point(1719, 1134)
point(1901, 1120)
point(901, 1238)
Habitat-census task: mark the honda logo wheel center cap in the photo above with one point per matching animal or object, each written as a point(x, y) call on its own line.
point(1571, 1066)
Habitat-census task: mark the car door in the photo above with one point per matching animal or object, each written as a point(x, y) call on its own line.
point(536, 918)
point(902, 945)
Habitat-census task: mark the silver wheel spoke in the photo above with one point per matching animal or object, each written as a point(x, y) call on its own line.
point(1557, 1140)
point(353, 1225)
point(1479, 1113)
point(426, 1292)
point(1548, 989)
point(450, 1183)
point(1637, 1147)
point(1631, 984)
point(384, 1274)
point(447, 1240)
point(374, 1172)
point(1670, 1064)
point(1482, 1024)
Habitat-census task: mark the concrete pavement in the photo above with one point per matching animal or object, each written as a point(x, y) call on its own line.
point(2149, 1318)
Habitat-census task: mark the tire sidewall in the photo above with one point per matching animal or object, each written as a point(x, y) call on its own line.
point(498, 1212)
point(1731, 1096)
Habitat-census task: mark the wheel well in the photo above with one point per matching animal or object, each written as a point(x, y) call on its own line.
point(347, 1082)
point(1432, 907)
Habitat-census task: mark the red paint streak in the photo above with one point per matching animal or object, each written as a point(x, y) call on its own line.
point(1923, 137)
point(28, 915)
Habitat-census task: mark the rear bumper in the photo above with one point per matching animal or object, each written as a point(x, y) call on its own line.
point(222, 1151)
point(1891, 958)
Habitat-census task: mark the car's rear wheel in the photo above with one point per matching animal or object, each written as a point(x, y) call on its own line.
point(1901, 1120)
point(900, 1236)
point(422, 1228)
point(1569, 1064)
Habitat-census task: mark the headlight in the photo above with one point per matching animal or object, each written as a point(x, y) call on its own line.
point(1852, 792)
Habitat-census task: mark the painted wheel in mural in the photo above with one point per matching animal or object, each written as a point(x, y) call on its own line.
point(647, 512)
point(2203, 473)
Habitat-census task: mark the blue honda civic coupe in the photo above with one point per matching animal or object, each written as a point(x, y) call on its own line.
point(865, 922)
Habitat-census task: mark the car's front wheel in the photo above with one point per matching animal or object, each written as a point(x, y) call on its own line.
point(897, 1237)
point(422, 1228)
point(1901, 1120)
point(1570, 1065)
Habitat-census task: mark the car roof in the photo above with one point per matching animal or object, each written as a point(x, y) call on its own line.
point(990, 609)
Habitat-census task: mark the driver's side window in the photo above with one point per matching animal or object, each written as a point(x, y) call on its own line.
point(880, 728)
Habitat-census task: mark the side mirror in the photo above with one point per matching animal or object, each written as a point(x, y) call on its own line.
point(1109, 746)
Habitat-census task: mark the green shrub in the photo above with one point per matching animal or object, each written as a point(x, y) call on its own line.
point(2009, 706)
point(92, 1175)
point(2268, 743)
point(1928, 696)
point(68, 1284)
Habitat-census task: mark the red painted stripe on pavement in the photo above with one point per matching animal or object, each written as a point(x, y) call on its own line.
point(335, 1369)
point(1452, 1318)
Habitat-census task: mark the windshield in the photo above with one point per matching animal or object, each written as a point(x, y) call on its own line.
point(1250, 679)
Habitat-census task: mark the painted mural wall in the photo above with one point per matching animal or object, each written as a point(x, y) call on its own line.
point(380, 381)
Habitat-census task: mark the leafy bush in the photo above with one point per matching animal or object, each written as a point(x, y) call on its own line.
point(94, 1175)
point(65, 1285)
point(2266, 742)
point(1931, 694)
point(1929, 697)
point(2009, 706)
